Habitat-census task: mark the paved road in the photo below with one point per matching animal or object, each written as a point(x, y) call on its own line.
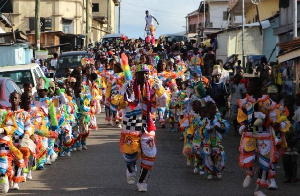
point(100, 170)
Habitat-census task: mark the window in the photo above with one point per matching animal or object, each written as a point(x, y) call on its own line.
point(19, 76)
point(36, 76)
point(31, 23)
point(68, 26)
point(10, 87)
point(45, 23)
point(193, 28)
point(39, 71)
point(225, 15)
point(95, 7)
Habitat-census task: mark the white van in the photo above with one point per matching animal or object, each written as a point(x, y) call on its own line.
point(21, 74)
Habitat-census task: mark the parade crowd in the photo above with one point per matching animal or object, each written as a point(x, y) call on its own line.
point(177, 86)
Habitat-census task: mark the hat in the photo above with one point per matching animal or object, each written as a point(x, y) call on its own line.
point(217, 67)
point(51, 85)
point(216, 71)
point(72, 79)
point(272, 89)
point(142, 67)
point(43, 83)
point(200, 90)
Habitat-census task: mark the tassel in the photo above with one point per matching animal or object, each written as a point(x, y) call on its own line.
point(52, 115)
point(151, 125)
point(26, 153)
point(125, 67)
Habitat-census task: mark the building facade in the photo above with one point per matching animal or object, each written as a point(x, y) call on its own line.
point(104, 18)
point(210, 17)
point(266, 9)
point(64, 20)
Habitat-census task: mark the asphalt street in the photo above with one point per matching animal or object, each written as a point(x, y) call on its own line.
point(100, 170)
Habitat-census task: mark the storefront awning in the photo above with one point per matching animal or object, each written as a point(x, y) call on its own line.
point(289, 55)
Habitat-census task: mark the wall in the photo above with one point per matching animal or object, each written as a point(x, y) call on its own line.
point(266, 9)
point(270, 40)
point(15, 55)
point(194, 20)
point(55, 9)
point(230, 42)
point(216, 14)
point(96, 32)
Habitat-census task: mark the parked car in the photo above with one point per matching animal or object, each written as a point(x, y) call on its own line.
point(7, 86)
point(110, 38)
point(175, 37)
point(21, 74)
point(71, 60)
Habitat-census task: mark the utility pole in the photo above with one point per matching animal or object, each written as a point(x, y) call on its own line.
point(243, 29)
point(87, 23)
point(119, 26)
point(107, 29)
point(295, 19)
point(37, 24)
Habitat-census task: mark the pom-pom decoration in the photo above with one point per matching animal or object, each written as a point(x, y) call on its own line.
point(187, 150)
point(125, 67)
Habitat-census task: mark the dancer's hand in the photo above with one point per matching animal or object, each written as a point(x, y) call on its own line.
point(1, 130)
point(157, 83)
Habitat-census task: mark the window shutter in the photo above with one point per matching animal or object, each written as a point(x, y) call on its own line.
point(31, 23)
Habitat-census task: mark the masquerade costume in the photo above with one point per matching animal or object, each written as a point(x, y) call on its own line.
point(213, 152)
point(8, 126)
point(84, 106)
point(51, 123)
point(257, 138)
point(138, 133)
point(21, 140)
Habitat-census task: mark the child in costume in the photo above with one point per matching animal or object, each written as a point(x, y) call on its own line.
point(107, 78)
point(138, 133)
point(83, 101)
point(7, 151)
point(95, 101)
point(160, 106)
point(21, 138)
point(257, 135)
point(193, 139)
point(45, 104)
point(213, 152)
point(116, 86)
point(29, 149)
point(173, 106)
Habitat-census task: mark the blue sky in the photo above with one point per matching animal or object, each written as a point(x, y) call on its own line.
point(169, 13)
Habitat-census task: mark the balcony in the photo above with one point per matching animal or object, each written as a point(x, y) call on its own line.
point(235, 6)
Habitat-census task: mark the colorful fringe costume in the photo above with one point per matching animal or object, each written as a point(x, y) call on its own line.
point(138, 133)
point(258, 139)
point(8, 151)
point(213, 153)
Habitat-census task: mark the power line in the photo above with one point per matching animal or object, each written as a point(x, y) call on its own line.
point(151, 8)
point(155, 14)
